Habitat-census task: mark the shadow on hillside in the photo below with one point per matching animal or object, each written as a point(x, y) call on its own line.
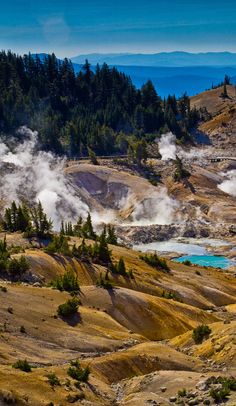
point(72, 320)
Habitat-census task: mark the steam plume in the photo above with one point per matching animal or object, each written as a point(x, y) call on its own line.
point(167, 146)
point(229, 185)
point(34, 175)
point(169, 150)
point(37, 175)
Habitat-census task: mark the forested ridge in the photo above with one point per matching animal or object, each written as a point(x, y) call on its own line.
point(99, 109)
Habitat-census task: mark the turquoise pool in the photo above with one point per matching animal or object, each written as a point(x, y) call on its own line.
point(207, 260)
point(193, 250)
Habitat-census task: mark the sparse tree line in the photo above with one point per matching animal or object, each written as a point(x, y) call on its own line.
point(98, 109)
point(85, 229)
point(34, 222)
point(31, 221)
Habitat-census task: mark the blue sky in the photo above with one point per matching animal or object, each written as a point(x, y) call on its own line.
point(74, 27)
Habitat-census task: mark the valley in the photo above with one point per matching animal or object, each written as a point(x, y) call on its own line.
point(91, 321)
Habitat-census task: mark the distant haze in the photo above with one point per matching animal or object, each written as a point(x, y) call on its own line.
point(197, 73)
point(168, 59)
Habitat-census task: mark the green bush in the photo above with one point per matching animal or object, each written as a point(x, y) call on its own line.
point(59, 244)
point(78, 373)
point(170, 295)
point(219, 395)
point(187, 262)
point(68, 282)
point(104, 282)
point(68, 308)
point(182, 393)
point(227, 384)
point(120, 268)
point(201, 332)
point(23, 365)
point(53, 379)
point(17, 267)
point(154, 261)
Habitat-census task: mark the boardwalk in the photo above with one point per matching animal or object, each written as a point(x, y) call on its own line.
point(223, 158)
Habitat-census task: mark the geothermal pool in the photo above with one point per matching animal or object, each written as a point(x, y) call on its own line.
point(207, 260)
point(193, 250)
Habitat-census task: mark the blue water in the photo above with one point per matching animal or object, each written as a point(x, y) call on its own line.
point(207, 260)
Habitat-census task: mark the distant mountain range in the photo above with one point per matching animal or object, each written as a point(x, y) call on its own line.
point(169, 59)
point(176, 80)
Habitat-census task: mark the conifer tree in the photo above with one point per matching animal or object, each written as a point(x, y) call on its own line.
point(121, 269)
point(87, 229)
point(111, 235)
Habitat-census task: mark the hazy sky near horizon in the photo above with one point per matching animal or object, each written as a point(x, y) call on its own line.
point(70, 27)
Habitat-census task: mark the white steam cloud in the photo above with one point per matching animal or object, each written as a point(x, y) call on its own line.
point(37, 175)
point(229, 184)
point(34, 175)
point(157, 209)
point(169, 150)
point(167, 146)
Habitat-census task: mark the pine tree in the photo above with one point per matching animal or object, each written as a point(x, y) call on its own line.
point(92, 156)
point(101, 252)
point(121, 269)
point(42, 226)
point(111, 235)
point(87, 228)
point(62, 230)
point(78, 227)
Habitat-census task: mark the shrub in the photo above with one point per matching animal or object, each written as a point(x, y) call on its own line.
point(170, 295)
point(154, 261)
point(3, 289)
point(68, 282)
point(182, 393)
point(92, 157)
point(104, 283)
point(22, 330)
point(68, 308)
point(23, 365)
point(201, 332)
point(73, 398)
point(17, 267)
point(59, 244)
point(120, 268)
point(187, 262)
point(220, 395)
point(78, 373)
point(53, 379)
point(230, 382)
